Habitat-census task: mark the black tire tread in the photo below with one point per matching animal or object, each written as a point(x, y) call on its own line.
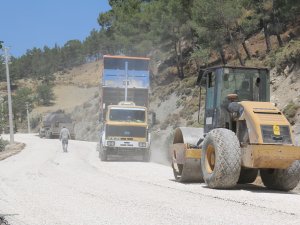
point(228, 159)
point(281, 179)
point(247, 176)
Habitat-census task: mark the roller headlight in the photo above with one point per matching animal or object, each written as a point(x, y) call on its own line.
point(142, 144)
point(110, 143)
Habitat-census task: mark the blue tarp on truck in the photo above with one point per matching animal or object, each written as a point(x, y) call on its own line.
point(114, 73)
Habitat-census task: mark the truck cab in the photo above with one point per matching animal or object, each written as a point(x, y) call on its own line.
point(226, 84)
point(126, 131)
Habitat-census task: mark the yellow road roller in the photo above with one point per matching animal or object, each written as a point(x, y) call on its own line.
point(243, 134)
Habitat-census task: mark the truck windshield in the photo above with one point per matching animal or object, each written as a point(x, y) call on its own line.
point(248, 84)
point(127, 115)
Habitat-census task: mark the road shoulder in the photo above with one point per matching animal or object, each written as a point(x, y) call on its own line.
point(11, 149)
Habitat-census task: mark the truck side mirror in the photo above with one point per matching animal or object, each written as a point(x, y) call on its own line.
point(201, 80)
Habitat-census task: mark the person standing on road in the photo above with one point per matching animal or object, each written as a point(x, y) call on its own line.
point(64, 138)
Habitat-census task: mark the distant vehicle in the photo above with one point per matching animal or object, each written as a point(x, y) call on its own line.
point(53, 122)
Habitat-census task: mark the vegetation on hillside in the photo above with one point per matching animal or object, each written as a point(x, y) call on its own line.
point(187, 29)
point(198, 30)
point(183, 35)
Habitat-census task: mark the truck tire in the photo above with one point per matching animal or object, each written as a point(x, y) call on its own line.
point(48, 135)
point(221, 159)
point(281, 179)
point(147, 156)
point(102, 153)
point(247, 176)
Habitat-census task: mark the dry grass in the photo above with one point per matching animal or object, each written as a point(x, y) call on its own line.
point(67, 98)
point(87, 75)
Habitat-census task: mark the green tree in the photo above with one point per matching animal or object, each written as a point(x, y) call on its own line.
point(271, 15)
point(127, 27)
point(170, 27)
point(20, 98)
point(216, 24)
point(72, 54)
point(44, 95)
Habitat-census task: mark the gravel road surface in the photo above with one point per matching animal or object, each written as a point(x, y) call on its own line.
point(43, 185)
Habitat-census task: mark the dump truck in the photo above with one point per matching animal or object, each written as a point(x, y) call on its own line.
point(53, 122)
point(244, 134)
point(124, 107)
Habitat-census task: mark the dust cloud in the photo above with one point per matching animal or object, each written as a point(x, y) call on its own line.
point(160, 145)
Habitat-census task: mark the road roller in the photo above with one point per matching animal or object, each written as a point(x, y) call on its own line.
point(244, 134)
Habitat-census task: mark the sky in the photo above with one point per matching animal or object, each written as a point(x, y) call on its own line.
point(25, 24)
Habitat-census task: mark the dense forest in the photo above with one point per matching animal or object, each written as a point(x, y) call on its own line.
point(191, 29)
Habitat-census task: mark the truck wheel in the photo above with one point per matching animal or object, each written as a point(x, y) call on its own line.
point(247, 176)
point(221, 159)
point(102, 153)
point(147, 156)
point(281, 179)
point(48, 135)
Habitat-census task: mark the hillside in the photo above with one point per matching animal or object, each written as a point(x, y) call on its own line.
point(72, 88)
point(174, 100)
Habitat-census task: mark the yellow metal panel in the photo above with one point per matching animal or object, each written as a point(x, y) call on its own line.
point(117, 138)
point(270, 119)
point(262, 113)
point(270, 156)
point(193, 153)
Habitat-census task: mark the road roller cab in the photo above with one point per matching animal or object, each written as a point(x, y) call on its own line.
point(243, 133)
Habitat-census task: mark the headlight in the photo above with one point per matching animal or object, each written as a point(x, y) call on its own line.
point(142, 144)
point(111, 143)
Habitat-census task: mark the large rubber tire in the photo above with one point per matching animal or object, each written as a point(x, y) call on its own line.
point(221, 159)
point(281, 179)
point(247, 176)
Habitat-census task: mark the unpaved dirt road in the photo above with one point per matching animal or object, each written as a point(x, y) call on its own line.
point(43, 185)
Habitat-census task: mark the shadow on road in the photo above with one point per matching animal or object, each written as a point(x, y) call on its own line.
point(245, 187)
point(124, 159)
